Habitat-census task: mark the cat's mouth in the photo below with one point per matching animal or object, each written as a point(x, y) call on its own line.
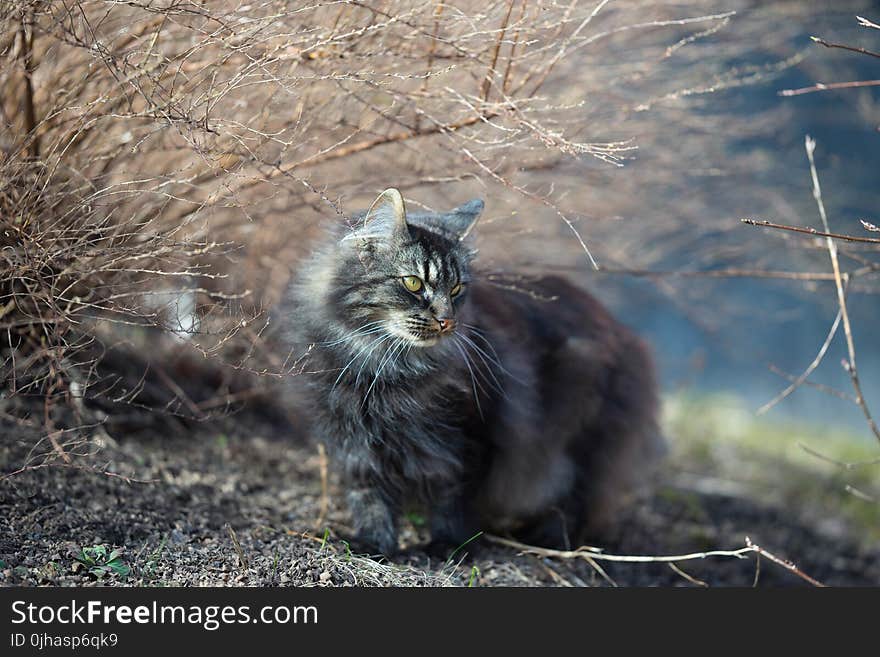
point(426, 333)
point(425, 338)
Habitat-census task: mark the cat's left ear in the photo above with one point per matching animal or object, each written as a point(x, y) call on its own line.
point(462, 219)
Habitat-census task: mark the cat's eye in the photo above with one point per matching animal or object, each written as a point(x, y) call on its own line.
point(412, 283)
point(456, 290)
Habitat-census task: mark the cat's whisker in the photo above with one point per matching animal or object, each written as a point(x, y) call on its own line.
point(493, 383)
point(477, 332)
point(368, 356)
point(476, 374)
point(360, 351)
point(488, 361)
point(480, 333)
point(389, 354)
point(372, 327)
point(350, 334)
point(474, 383)
point(352, 338)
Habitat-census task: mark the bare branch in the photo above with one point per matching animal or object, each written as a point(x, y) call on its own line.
point(850, 366)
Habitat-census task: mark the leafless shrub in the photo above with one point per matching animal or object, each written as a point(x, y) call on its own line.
point(853, 258)
point(160, 161)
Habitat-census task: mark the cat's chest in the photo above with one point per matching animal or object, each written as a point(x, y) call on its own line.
point(406, 390)
point(399, 398)
point(401, 412)
point(418, 404)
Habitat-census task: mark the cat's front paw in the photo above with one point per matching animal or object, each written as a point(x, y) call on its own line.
point(381, 539)
point(375, 525)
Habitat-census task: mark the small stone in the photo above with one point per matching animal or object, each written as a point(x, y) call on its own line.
point(325, 576)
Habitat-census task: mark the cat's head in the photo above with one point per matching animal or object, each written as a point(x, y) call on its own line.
point(407, 274)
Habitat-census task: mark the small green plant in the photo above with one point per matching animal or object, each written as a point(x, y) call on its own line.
point(274, 564)
point(149, 569)
point(99, 561)
point(472, 580)
point(462, 546)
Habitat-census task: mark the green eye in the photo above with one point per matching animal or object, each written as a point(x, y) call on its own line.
point(412, 283)
point(456, 290)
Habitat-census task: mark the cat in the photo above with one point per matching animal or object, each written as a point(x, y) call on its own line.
point(521, 411)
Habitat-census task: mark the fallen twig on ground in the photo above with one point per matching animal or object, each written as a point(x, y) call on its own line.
point(592, 554)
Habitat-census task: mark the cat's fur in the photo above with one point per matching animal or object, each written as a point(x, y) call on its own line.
point(529, 417)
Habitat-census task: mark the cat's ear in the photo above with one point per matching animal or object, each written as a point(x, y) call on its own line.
point(386, 216)
point(463, 218)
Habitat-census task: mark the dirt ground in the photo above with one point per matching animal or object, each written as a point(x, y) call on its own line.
point(240, 504)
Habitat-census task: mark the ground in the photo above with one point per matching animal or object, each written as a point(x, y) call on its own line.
point(240, 503)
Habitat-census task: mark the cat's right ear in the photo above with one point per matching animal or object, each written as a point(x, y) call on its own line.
point(386, 216)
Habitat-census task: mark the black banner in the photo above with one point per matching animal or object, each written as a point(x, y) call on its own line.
point(134, 621)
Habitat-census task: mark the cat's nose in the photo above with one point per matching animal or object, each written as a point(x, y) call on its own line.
point(447, 324)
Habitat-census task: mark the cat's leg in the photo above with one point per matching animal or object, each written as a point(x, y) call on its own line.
point(560, 525)
point(452, 522)
point(373, 508)
point(374, 517)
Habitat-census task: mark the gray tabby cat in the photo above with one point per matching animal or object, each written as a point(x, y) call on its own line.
point(489, 409)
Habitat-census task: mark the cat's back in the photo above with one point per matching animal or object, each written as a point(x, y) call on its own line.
point(580, 356)
point(547, 312)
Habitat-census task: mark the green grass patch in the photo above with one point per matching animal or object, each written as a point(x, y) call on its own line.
point(776, 460)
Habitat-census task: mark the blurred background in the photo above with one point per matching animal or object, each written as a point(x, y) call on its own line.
point(164, 168)
point(738, 152)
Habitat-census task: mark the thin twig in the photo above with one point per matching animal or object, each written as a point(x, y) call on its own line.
point(595, 553)
point(865, 497)
point(807, 372)
point(325, 492)
point(719, 273)
point(587, 553)
point(30, 114)
point(690, 578)
point(834, 392)
point(788, 565)
point(243, 561)
point(864, 22)
point(850, 366)
point(604, 575)
point(863, 51)
point(810, 231)
point(845, 465)
point(487, 81)
point(820, 86)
